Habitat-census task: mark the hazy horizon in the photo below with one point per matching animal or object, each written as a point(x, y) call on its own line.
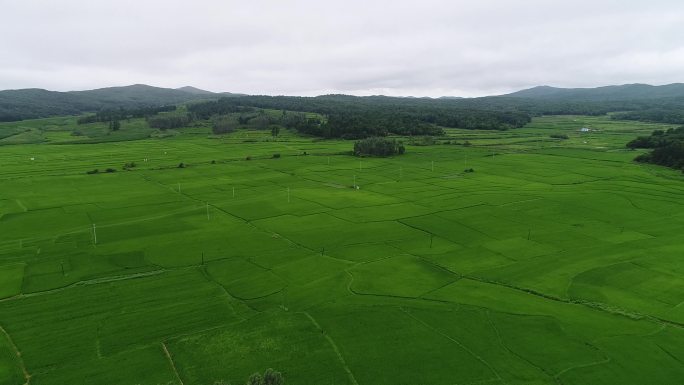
point(399, 96)
point(395, 48)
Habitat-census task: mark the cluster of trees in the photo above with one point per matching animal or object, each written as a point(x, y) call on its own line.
point(223, 124)
point(260, 120)
point(114, 125)
point(222, 106)
point(123, 114)
point(169, 121)
point(659, 115)
point(302, 123)
point(376, 146)
point(667, 148)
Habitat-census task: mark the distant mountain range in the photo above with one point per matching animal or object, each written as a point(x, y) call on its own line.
point(603, 94)
point(39, 103)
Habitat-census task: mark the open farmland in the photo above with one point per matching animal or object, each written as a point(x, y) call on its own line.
point(557, 261)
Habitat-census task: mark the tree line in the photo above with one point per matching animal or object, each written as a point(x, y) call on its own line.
point(121, 113)
point(657, 115)
point(360, 117)
point(667, 148)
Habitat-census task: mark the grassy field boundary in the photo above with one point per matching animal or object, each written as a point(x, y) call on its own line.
point(22, 365)
point(335, 348)
point(171, 363)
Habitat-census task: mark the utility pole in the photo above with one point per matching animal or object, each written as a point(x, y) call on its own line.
point(207, 210)
point(179, 190)
point(94, 234)
point(288, 195)
point(355, 181)
point(433, 166)
point(233, 192)
point(466, 161)
point(401, 173)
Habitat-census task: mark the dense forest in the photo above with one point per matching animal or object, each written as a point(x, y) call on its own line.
point(667, 148)
point(24, 104)
point(359, 117)
point(123, 114)
point(673, 115)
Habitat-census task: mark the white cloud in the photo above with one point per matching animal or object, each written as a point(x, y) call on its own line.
point(308, 47)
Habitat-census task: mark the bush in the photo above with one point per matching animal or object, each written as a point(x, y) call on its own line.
point(559, 136)
point(110, 170)
point(248, 157)
point(270, 377)
point(276, 156)
point(181, 165)
point(92, 172)
point(376, 146)
point(468, 170)
point(129, 165)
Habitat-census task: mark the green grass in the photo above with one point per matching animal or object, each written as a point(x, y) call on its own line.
point(556, 261)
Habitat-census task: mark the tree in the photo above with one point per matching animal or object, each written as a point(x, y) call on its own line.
point(378, 147)
point(275, 130)
point(261, 121)
point(270, 377)
point(116, 125)
point(223, 124)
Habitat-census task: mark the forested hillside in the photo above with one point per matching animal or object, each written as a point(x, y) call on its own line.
point(38, 103)
point(354, 117)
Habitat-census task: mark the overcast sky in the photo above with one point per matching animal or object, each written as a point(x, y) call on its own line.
point(363, 47)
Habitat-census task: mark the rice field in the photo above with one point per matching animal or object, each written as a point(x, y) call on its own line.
point(554, 262)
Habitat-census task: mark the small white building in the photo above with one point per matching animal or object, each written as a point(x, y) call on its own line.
point(585, 129)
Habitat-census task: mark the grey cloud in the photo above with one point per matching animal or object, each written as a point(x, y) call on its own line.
point(421, 48)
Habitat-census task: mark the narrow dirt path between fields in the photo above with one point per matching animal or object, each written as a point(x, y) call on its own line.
point(173, 366)
point(335, 348)
point(27, 376)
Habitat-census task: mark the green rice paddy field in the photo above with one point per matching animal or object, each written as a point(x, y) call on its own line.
point(555, 262)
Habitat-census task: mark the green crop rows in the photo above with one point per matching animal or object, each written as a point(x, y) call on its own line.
point(554, 262)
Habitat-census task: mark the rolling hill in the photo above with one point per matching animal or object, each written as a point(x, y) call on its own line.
point(39, 103)
point(602, 94)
